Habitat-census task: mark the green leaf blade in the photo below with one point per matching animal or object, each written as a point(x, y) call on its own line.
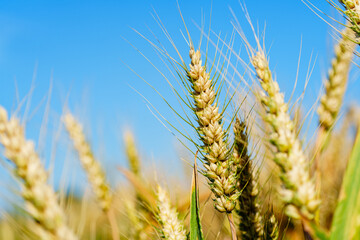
point(195, 224)
point(345, 223)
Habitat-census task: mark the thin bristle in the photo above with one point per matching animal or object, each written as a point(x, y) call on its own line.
point(92, 167)
point(40, 199)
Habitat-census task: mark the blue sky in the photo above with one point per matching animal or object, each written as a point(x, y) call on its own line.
point(80, 46)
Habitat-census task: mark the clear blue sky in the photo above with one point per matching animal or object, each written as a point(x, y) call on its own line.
point(80, 46)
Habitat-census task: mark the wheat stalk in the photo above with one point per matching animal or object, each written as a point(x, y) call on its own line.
point(250, 217)
point(299, 191)
point(222, 181)
point(40, 199)
point(172, 227)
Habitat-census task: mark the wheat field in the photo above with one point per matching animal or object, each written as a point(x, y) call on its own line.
point(255, 159)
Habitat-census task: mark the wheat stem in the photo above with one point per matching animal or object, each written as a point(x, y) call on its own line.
point(232, 226)
point(113, 223)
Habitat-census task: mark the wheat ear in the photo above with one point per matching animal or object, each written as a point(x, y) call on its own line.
point(250, 225)
point(335, 85)
point(222, 181)
point(40, 199)
point(172, 227)
point(299, 191)
point(92, 167)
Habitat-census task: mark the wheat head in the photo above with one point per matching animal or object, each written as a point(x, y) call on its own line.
point(172, 227)
point(299, 190)
point(92, 167)
point(40, 199)
point(222, 181)
point(335, 85)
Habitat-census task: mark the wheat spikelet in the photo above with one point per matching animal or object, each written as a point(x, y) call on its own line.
point(40, 198)
point(92, 167)
point(216, 154)
point(172, 227)
point(299, 191)
point(250, 219)
point(335, 86)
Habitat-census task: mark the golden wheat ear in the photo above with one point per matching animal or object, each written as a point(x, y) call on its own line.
point(336, 83)
point(222, 180)
point(298, 192)
point(95, 173)
point(171, 227)
point(40, 199)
